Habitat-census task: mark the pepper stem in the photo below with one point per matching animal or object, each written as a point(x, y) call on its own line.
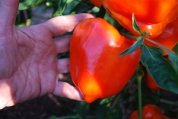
point(101, 13)
point(139, 81)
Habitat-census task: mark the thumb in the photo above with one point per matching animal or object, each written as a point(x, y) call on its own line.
point(62, 24)
point(8, 12)
point(66, 90)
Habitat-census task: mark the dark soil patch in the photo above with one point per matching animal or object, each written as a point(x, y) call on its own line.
point(39, 108)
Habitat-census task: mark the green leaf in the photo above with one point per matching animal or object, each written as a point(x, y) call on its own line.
point(82, 7)
point(71, 7)
point(135, 25)
point(110, 19)
point(26, 4)
point(62, 4)
point(175, 49)
point(173, 57)
point(136, 45)
point(160, 69)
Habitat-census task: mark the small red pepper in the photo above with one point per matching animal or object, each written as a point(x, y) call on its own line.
point(149, 112)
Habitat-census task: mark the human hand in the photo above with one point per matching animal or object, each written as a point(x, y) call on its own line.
point(29, 66)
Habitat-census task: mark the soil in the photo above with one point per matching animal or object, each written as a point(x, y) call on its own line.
point(39, 108)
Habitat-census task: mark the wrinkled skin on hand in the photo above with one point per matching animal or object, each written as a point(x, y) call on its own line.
point(29, 67)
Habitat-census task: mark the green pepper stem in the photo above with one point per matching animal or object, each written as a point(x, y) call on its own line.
point(168, 102)
point(101, 13)
point(139, 81)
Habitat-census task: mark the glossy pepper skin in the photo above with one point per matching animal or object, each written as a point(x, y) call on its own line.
point(152, 15)
point(149, 112)
point(96, 67)
point(96, 2)
point(169, 37)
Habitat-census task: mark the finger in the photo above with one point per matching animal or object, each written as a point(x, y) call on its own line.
point(66, 90)
point(8, 12)
point(62, 44)
point(62, 24)
point(63, 65)
point(6, 97)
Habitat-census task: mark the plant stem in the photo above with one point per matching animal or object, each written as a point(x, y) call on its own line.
point(169, 102)
point(101, 13)
point(129, 35)
point(139, 81)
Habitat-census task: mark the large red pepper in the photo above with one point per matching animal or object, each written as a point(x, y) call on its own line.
point(96, 67)
point(152, 15)
point(169, 37)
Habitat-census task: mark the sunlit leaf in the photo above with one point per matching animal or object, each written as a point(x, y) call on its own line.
point(135, 25)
